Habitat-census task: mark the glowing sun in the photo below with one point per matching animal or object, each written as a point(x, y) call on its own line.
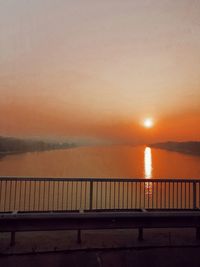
point(148, 123)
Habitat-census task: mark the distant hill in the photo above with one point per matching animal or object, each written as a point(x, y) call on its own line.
point(191, 147)
point(9, 145)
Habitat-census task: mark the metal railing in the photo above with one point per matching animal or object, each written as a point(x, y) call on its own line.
point(67, 194)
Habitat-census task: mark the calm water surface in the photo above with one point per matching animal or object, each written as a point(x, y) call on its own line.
point(111, 161)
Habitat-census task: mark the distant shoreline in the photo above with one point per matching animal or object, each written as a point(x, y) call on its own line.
point(189, 148)
point(13, 146)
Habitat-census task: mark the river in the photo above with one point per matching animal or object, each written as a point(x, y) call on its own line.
point(102, 161)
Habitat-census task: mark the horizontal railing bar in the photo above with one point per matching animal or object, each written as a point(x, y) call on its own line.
point(113, 214)
point(61, 179)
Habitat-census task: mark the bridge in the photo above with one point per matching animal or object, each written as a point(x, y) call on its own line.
point(37, 204)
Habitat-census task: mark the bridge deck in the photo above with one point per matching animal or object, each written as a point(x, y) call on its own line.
point(41, 221)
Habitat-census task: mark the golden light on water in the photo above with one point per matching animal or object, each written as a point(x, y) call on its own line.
point(147, 163)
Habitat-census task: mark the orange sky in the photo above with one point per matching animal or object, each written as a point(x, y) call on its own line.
point(97, 69)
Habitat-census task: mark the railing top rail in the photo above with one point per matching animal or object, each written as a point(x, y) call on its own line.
point(61, 179)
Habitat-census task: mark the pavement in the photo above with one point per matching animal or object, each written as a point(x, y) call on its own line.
point(102, 248)
point(39, 242)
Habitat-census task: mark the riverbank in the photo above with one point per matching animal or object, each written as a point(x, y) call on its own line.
point(13, 146)
point(192, 148)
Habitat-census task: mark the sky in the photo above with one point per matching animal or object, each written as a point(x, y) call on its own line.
point(96, 69)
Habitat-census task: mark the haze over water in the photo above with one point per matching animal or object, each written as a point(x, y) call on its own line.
point(102, 161)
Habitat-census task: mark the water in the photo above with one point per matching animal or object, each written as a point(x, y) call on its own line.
point(113, 161)
point(96, 162)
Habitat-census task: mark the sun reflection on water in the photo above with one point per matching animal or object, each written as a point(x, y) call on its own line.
point(147, 163)
point(148, 171)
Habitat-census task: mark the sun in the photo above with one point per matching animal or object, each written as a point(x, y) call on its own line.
point(148, 123)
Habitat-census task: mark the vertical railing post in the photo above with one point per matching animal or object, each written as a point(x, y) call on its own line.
point(194, 195)
point(91, 194)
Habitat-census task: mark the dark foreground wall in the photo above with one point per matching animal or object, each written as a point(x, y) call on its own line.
point(156, 257)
